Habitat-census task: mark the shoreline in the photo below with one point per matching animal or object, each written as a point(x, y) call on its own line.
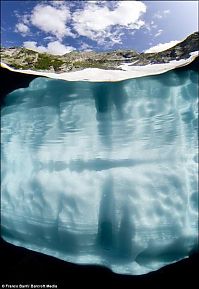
point(100, 75)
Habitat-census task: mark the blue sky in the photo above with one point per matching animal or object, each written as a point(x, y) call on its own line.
point(58, 27)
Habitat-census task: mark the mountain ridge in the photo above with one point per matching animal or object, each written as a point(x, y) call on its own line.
point(22, 58)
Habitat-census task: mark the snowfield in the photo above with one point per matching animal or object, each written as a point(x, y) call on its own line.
point(100, 75)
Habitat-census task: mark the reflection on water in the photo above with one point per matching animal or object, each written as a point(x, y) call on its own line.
point(102, 172)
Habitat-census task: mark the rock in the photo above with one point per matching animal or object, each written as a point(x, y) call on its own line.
point(22, 58)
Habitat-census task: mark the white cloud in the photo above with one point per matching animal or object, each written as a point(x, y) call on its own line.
point(158, 33)
point(58, 48)
point(57, 3)
point(97, 21)
point(154, 26)
point(52, 20)
point(33, 46)
point(165, 12)
point(50, 38)
point(102, 21)
point(55, 47)
point(162, 46)
point(26, 19)
point(85, 47)
point(158, 16)
point(161, 14)
point(22, 28)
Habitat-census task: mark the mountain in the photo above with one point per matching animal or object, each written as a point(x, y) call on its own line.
point(22, 58)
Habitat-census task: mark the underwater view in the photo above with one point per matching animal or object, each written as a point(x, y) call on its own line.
point(103, 172)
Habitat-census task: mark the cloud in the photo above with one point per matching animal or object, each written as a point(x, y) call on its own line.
point(150, 26)
point(85, 47)
point(162, 46)
point(158, 33)
point(52, 20)
point(98, 20)
point(33, 46)
point(104, 22)
point(50, 38)
point(165, 12)
point(22, 28)
point(161, 14)
point(55, 47)
point(58, 48)
point(26, 19)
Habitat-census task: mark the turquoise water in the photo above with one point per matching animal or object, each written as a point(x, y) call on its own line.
point(103, 173)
